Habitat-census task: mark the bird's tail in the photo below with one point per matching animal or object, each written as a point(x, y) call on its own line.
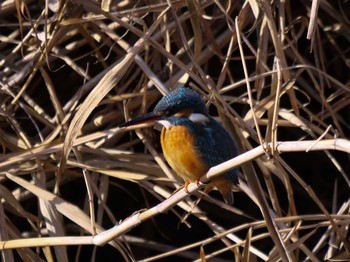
point(225, 188)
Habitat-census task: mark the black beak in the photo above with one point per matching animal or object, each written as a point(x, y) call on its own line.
point(147, 118)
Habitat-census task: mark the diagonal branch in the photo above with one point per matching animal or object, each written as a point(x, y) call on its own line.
point(137, 218)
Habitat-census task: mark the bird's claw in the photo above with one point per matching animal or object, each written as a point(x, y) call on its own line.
point(187, 183)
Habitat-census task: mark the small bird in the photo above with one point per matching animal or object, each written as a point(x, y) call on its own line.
point(192, 141)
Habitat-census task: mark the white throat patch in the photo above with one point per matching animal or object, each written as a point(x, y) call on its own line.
point(165, 123)
point(198, 118)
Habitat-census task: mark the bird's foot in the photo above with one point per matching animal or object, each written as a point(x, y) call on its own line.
point(187, 183)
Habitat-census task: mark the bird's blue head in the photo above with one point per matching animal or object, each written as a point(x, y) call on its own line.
point(181, 103)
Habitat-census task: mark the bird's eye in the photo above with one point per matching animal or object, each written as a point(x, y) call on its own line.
point(167, 113)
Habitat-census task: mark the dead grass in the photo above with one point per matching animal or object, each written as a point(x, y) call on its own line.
point(73, 185)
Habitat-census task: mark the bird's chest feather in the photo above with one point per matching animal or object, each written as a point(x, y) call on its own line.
point(179, 150)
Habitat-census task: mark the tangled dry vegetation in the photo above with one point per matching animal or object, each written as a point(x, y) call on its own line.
point(75, 187)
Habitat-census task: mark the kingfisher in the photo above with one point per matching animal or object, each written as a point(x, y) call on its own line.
point(192, 141)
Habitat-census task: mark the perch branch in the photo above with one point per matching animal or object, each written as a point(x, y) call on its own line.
point(139, 217)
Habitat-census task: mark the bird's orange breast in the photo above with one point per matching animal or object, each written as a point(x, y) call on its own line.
point(180, 152)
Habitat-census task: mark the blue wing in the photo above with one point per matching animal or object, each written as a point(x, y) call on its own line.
point(216, 145)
